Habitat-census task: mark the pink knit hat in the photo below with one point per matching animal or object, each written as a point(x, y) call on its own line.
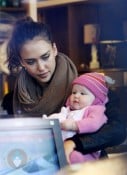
point(96, 83)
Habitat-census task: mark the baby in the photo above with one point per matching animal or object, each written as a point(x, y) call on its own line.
point(85, 110)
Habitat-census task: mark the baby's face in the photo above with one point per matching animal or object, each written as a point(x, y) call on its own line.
point(80, 97)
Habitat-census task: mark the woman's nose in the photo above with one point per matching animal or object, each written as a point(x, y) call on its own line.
point(40, 65)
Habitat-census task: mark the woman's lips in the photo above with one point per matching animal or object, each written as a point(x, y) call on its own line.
point(44, 75)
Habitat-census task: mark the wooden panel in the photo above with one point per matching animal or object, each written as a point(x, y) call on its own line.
point(57, 19)
point(50, 3)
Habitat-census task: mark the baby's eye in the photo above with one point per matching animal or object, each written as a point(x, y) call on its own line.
point(73, 92)
point(82, 93)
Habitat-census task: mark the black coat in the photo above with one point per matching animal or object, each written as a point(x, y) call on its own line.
point(111, 134)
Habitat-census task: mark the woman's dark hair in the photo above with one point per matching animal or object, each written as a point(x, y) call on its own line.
point(25, 29)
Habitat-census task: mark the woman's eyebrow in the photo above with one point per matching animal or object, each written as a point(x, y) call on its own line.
point(43, 55)
point(27, 59)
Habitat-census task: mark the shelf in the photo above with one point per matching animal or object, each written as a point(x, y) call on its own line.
point(12, 9)
point(49, 3)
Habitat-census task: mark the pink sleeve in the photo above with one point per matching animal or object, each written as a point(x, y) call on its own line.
point(93, 119)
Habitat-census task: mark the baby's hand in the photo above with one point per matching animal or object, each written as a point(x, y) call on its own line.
point(61, 117)
point(69, 124)
point(44, 116)
point(64, 111)
point(52, 116)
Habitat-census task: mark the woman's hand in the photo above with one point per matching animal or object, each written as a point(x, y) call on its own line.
point(69, 146)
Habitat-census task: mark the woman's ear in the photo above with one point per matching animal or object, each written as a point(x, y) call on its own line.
point(55, 49)
point(22, 64)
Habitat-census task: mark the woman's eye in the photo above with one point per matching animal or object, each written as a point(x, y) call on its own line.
point(30, 62)
point(45, 57)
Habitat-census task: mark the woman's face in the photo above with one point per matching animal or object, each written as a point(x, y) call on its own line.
point(38, 58)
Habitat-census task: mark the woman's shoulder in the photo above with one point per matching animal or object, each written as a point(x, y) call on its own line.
point(63, 56)
point(65, 61)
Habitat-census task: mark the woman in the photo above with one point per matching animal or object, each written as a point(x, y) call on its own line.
point(44, 81)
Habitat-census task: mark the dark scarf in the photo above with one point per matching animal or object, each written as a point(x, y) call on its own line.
point(32, 99)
